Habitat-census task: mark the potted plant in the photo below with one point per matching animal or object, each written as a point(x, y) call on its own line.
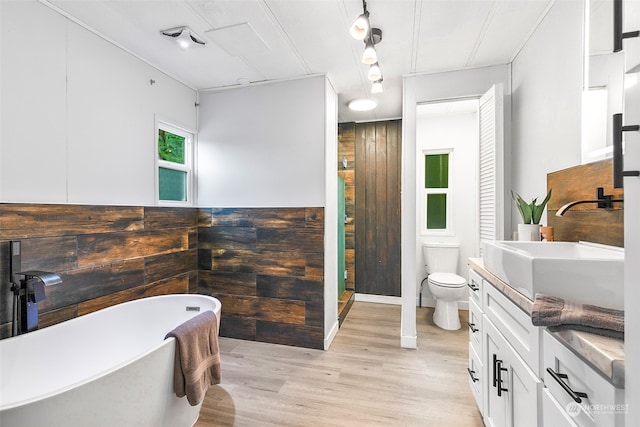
point(531, 214)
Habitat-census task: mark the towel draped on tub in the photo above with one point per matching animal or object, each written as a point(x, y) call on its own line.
point(557, 314)
point(197, 360)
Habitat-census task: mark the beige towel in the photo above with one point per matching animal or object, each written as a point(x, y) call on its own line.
point(197, 361)
point(557, 314)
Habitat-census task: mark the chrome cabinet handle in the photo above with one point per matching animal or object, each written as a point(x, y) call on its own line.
point(472, 327)
point(575, 395)
point(472, 375)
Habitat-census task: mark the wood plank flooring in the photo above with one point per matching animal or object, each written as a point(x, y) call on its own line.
point(364, 379)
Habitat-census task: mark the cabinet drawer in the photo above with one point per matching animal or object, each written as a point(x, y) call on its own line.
point(476, 377)
point(514, 324)
point(603, 405)
point(553, 415)
point(475, 326)
point(475, 288)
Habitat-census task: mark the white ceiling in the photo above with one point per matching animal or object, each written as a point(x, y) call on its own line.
point(305, 37)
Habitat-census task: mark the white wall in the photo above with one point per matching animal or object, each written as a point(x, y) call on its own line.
point(263, 145)
point(78, 113)
point(459, 132)
point(546, 102)
point(420, 89)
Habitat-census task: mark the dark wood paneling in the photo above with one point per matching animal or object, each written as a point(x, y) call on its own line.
point(294, 335)
point(227, 237)
point(377, 208)
point(292, 288)
point(21, 221)
point(261, 262)
point(49, 254)
point(291, 239)
point(585, 222)
point(238, 327)
point(265, 265)
point(230, 283)
point(98, 248)
point(268, 309)
point(167, 217)
point(159, 267)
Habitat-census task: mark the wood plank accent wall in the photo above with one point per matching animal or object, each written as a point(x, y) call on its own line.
point(266, 265)
point(347, 150)
point(585, 222)
point(378, 156)
point(105, 255)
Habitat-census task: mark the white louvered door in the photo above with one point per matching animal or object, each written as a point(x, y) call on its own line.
point(491, 166)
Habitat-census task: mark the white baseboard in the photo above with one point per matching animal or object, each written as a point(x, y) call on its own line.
point(409, 342)
point(332, 334)
point(380, 299)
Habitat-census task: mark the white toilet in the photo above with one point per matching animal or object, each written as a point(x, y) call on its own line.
point(441, 262)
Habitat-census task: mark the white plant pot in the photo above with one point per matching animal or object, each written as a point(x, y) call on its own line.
point(529, 232)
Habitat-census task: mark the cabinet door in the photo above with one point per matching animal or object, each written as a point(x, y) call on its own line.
point(523, 388)
point(553, 415)
point(495, 346)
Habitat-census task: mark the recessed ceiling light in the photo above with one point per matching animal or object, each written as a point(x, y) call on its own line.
point(362, 104)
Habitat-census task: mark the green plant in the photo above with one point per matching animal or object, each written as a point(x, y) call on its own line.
point(530, 212)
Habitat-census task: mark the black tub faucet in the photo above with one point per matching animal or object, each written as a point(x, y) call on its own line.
point(27, 291)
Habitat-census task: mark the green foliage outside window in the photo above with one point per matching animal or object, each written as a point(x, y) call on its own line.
point(170, 147)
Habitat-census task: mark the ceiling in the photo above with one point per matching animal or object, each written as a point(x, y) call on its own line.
point(262, 40)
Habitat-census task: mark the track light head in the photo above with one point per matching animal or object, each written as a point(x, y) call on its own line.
point(360, 27)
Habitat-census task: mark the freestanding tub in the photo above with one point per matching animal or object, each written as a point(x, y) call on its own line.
point(109, 368)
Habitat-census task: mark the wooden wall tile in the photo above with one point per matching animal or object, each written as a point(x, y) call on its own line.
point(20, 221)
point(159, 267)
point(294, 335)
point(230, 283)
point(269, 309)
point(292, 288)
point(98, 248)
point(227, 238)
point(49, 254)
point(292, 239)
point(585, 222)
point(170, 217)
point(238, 327)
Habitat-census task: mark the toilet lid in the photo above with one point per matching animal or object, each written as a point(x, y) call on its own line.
point(450, 280)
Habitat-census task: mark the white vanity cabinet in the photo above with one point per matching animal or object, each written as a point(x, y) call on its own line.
point(504, 344)
point(522, 375)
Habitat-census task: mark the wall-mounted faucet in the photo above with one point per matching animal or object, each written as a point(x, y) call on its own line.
point(27, 291)
point(605, 202)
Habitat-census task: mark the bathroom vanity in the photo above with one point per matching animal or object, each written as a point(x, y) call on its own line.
point(522, 375)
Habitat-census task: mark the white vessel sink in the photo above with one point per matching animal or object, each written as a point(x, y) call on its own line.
point(582, 272)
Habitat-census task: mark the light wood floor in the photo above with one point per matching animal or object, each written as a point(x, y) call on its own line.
point(364, 379)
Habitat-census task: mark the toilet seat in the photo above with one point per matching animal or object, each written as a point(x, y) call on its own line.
point(447, 280)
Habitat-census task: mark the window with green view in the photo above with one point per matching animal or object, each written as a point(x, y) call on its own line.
point(436, 190)
point(174, 164)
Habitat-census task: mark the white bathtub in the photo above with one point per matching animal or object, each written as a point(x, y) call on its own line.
point(108, 368)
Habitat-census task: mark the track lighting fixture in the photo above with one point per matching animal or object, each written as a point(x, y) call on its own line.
point(376, 87)
point(184, 36)
point(361, 30)
point(374, 72)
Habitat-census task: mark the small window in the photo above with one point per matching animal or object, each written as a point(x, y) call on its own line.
point(174, 165)
point(436, 194)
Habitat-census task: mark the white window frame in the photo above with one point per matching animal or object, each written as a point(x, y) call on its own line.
point(189, 144)
point(448, 231)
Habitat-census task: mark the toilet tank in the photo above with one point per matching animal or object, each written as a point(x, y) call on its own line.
point(440, 257)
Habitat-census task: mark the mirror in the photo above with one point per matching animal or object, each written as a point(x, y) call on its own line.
point(603, 91)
